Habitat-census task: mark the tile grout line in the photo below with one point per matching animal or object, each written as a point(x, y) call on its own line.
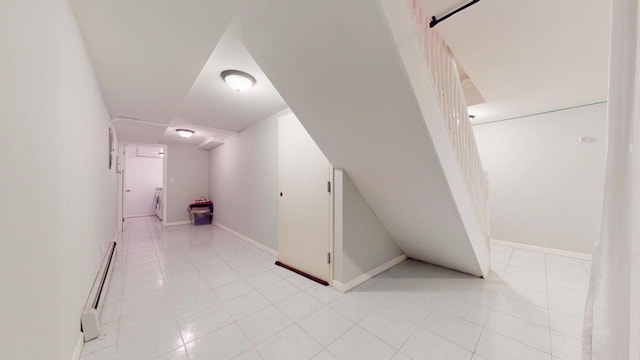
point(527, 321)
point(484, 326)
point(235, 321)
point(221, 303)
point(546, 280)
point(412, 334)
point(162, 270)
point(157, 261)
point(183, 243)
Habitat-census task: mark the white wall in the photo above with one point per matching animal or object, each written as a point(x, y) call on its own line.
point(545, 188)
point(187, 179)
point(58, 209)
point(243, 183)
point(143, 175)
point(361, 242)
point(243, 174)
point(373, 111)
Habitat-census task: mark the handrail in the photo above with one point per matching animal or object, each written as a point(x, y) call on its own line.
point(435, 21)
point(454, 109)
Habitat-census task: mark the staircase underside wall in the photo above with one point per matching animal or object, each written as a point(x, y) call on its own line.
point(337, 66)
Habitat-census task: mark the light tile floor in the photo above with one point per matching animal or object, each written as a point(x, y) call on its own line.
point(200, 293)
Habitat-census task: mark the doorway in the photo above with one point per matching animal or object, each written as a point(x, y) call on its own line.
point(142, 173)
point(304, 207)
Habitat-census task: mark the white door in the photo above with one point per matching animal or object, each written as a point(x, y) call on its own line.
point(304, 206)
point(144, 173)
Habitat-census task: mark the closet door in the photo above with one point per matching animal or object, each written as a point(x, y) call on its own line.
point(305, 199)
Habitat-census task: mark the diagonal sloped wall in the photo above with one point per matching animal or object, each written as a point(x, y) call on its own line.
point(342, 72)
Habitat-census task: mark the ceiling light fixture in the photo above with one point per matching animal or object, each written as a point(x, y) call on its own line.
point(185, 133)
point(238, 80)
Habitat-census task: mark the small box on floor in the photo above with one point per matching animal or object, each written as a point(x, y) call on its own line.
point(200, 216)
point(201, 211)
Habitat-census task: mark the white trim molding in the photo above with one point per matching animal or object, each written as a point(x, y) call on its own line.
point(78, 349)
point(249, 240)
point(546, 250)
point(176, 223)
point(140, 215)
point(344, 287)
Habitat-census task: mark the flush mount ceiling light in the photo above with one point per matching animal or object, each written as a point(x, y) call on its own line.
point(238, 80)
point(185, 133)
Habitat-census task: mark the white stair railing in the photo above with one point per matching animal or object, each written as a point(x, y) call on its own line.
point(454, 109)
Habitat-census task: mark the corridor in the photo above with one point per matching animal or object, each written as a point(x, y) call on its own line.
point(195, 293)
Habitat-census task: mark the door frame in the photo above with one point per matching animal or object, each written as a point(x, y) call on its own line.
point(121, 170)
point(330, 224)
point(331, 237)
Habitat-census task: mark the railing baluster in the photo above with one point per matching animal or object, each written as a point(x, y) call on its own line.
point(444, 75)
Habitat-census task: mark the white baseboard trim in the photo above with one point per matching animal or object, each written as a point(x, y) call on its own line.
point(139, 215)
point(176, 223)
point(255, 243)
point(344, 287)
point(546, 250)
point(78, 349)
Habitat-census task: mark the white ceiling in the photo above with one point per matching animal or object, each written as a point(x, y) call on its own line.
point(201, 136)
point(138, 131)
point(527, 57)
point(162, 63)
point(147, 54)
point(135, 131)
point(212, 103)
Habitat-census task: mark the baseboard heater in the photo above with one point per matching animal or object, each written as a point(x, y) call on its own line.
point(90, 321)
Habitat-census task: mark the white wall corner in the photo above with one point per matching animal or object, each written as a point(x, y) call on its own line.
point(546, 250)
point(249, 240)
point(344, 287)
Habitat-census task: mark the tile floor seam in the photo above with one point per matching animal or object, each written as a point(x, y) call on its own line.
point(234, 322)
point(484, 326)
point(264, 340)
point(306, 332)
point(200, 274)
point(407, 339)
point(465, 320)
point(336, 339)
point(164, 278)
point(326, 348)
point(520, 341)
point(126, 261)
point(381, 339)
point(546, 278)
point(287, 327)
point(449, 341)
point(179, 250)
point(165, 281)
